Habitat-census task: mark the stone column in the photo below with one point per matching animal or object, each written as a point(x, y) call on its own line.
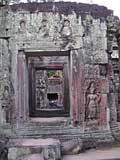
point(77, 97)
point(22, 89)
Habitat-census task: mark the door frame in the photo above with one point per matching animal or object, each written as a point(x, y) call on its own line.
point(62, 66)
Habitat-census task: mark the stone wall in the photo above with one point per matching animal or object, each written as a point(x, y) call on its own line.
point(79, 29)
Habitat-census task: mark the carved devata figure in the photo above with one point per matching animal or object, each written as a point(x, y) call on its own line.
point(41, 88)
point(44, 28)
point(92, 103)
point(66, 34)
point(22, 27)
point(23, 31)
point(6, 103)
point(66, 30)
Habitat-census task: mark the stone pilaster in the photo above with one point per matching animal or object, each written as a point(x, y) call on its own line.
point(118, 42)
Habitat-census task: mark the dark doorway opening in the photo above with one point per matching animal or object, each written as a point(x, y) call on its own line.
point(48, 86)
point(52, 96)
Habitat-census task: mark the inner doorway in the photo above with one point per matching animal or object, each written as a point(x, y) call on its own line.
point(48, 86)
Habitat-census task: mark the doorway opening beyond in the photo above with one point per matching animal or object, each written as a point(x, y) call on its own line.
point(49, 93)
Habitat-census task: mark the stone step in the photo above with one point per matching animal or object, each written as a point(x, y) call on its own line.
point(59, 130)
point(58, 133)
point(103, 136)
point(47, 131)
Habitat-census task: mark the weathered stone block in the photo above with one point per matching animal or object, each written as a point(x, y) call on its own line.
point(15, 152)
point(52, 152)
point(19, 148)
point(3, 149)
point(73, 146)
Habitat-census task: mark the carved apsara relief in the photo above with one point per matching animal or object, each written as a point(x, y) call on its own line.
point(41, 89)
point(91, 102)
point(6, 87)
point(7, 101)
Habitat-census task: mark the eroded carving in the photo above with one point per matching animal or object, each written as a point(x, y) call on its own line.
point(111, 29)
point(66, 35)
point(41, 89)
point(44, 29)
point(7, 102)
point(92, 102)
point(7, 92)
point(92, 71)
point(24, 32)
point(3, 149)
point(88, 23)
point(103, 70)
point(22, 26)
point(66, 31)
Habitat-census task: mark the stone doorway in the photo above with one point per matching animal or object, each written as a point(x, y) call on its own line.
point(30, 63)
point(48, 86)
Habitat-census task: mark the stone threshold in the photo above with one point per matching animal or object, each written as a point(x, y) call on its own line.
point(52, 119)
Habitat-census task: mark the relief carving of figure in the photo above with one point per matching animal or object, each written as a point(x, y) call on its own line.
point(66, 34)
point(92, 103)
point(22, 27)
point(6, 103)
point(66, 30)
point(44, 28)
point(23, 31)
point(41, 87)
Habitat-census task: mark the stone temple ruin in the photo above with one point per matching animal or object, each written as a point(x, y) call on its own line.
point(59, 78)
